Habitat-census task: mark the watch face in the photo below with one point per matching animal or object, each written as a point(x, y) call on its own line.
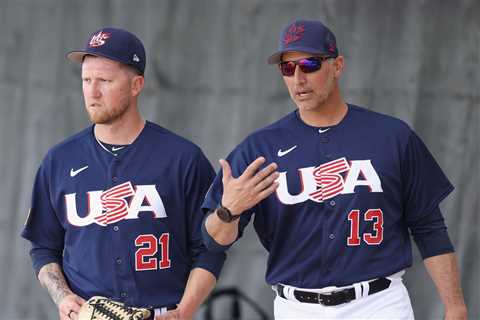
point(224, 215)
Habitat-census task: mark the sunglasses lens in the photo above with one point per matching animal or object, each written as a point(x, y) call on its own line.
point(287, 68)
point(310, 64)
point(307, 65)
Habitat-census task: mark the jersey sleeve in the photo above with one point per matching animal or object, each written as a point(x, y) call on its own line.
point(42, 226)
point(424, 183)
point(238, 162)
point(41, 256)
point(431, 236)
point(199, 178)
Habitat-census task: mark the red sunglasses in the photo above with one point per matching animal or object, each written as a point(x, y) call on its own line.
point(307, 65)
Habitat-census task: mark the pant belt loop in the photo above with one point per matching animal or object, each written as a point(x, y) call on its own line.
point(288, 292)
point(366, 288)
point(358, 290)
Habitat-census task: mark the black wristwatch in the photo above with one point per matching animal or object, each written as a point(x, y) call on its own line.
point(225, 215)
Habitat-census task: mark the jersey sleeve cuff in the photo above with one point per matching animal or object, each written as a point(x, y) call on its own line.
point(433, 243)
point(210, 261)
point(209, 242)
point(42, 256)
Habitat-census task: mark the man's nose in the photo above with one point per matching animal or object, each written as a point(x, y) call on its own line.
point(299, 75)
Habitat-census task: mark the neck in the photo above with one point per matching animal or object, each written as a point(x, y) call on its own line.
point(330, 113)
point(122, 131)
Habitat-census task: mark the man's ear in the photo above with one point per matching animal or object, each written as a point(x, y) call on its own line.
point(339, 64)
point(137, 84)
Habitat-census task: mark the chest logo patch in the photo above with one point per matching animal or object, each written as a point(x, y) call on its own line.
point(111, 206)
point(323, 182)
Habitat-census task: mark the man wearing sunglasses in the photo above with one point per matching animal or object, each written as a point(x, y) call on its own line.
point(335, 189)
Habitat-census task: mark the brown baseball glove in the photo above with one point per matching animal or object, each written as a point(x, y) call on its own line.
point(101, 308)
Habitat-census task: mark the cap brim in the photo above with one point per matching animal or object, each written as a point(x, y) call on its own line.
point(277, 56)
point(77, 56)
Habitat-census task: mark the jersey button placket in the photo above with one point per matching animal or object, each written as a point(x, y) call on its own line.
point(323, 139)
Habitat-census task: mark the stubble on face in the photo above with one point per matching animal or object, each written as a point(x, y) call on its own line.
point(107, 115)
point(310, 91)
point(319, 93)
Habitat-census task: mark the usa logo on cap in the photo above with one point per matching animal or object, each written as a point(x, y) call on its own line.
point(99, 39)
point(294, 33)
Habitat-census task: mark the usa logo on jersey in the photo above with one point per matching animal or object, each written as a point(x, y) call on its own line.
point(325, 181)
point(110, 206)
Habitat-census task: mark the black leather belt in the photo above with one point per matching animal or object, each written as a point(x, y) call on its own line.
point(336, 297)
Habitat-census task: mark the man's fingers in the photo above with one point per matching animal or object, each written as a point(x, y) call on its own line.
point(253, 168)
point(70, 307)
point(79, 300)
point(264, 173)
point(267, 181)
point(226, 170)
point(268, 191)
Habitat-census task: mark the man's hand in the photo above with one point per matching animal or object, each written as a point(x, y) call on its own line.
point(244, 192)
point(69, 307)
point(51, 277)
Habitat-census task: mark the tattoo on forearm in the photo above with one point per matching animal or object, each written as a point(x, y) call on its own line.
point(51, 277)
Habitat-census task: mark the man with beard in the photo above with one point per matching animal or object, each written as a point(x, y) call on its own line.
point(335, 188)
point(116, 208)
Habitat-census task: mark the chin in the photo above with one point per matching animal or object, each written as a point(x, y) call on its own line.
point(98, 118)
point(306, 107)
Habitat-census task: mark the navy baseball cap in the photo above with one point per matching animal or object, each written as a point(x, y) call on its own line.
point(306, 36)
point(116, 44)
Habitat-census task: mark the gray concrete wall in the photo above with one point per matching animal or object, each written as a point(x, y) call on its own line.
point(207, 80)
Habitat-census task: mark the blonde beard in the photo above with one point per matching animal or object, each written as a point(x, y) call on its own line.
point(107, 117)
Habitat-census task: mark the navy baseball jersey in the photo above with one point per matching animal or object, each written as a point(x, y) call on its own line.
point(129, 225)
point(346, 197)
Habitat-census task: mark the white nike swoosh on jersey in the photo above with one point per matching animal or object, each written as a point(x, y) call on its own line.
point(117, 148)
point(281, 153)
point(324, 130)
point(73, 173)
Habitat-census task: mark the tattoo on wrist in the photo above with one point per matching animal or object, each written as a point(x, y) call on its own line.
point(53, 280)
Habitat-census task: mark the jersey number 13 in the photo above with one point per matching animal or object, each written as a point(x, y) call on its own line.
point(374, 238)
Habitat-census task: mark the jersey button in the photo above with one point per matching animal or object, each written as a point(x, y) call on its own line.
point(119, 261)
point(115, 228)
point(114, 178)
point(324, 139)
point(123, 294)
point(332, 203)
point(331, 236)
